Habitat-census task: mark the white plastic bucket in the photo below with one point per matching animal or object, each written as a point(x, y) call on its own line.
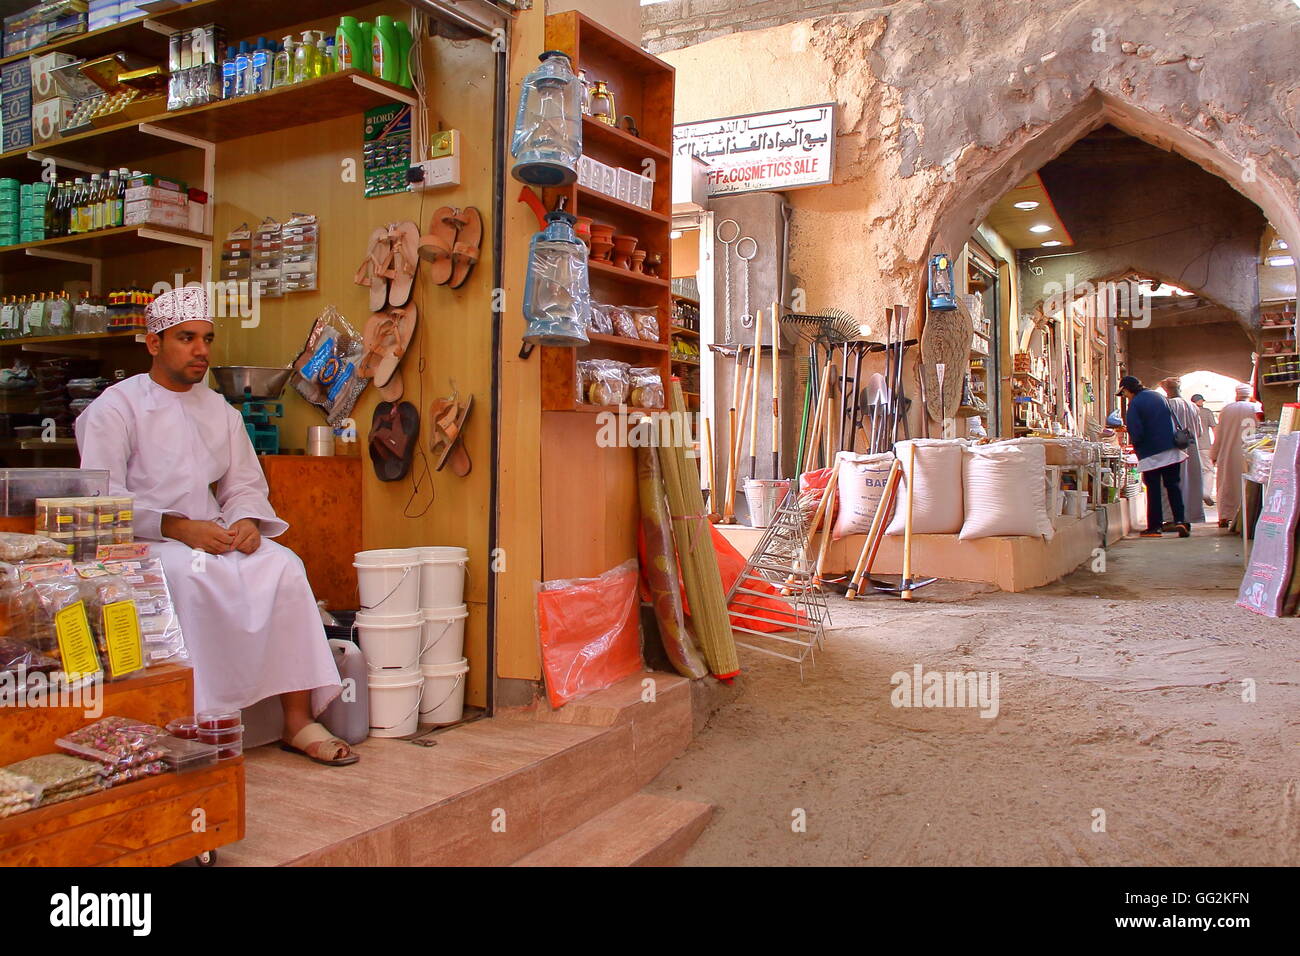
point(442, 699)
point(442, 576)
point(395, 702)
point(388, 580)
point(390, 640)
point(443, 640)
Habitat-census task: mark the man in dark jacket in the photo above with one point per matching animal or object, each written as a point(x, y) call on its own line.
point(1151, 429)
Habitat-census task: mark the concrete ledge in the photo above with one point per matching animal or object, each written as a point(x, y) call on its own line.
point(1009, 563)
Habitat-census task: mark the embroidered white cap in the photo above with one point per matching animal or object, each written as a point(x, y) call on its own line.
point(179, 305)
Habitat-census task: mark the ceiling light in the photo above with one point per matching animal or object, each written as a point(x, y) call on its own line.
point(1280, 261)
point(1027, 204)
point(1281, 244)
point(1052, 242)
point(675, 234)
point(1041, 227)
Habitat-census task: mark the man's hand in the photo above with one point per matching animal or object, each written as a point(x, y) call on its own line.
point(200, 535)
point(248, 535)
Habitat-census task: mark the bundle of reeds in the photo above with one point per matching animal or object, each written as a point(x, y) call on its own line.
point(694, 540)
point(661, 568)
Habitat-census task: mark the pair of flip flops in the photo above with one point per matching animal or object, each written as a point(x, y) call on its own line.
point(386, 337)
point(393, 433)
point(447, 417)
point(392, 259)
point(451, 246)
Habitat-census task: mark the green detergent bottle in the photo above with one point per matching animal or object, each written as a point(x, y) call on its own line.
point(404, 43)
point(352, 45)
point(385, 50)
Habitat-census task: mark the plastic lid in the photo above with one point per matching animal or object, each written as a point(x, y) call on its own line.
point(546, 55)
point(205, 715)
point(559, 215)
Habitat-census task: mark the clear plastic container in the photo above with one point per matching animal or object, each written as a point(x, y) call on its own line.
point(547, 140)
point(184, 728)
point(227, 735)
point(219, 719)
point(182, 754)
point(20, 487)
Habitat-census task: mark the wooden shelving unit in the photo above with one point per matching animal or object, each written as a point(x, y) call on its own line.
point(643, 88)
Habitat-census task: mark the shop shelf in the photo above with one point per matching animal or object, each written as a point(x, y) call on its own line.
point(240, 18)
point(686, 298)
point(40, 444)
point(682, 361)
point(637, 345)
point(594, 131)
point(328, 97)
point(597, 409)
point(101, 244)
point(609, 270)
point(588, 197)
point(55, 339)
point(340, 94)
point(678, 330)
point(1288, 381)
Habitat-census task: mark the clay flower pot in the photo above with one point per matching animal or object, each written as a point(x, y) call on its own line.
point(653, 264)
point(583, 229)
point(624, 246)
point(602, 232)
point(600, 249)
point(638, 260)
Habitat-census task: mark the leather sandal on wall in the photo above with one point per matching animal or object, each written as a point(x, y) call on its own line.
point(469, 237)
point(447, 445)
point(393, 433)
point(437, 245)
point(374, 268)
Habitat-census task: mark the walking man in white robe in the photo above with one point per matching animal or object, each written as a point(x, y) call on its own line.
point(1208, 424)
point(246, 609)
point(1227, 455)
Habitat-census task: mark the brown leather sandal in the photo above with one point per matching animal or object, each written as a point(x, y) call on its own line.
point(447, 416)
point(375, 270)
point(393, 433)
point(469, 237)
point(436, 246)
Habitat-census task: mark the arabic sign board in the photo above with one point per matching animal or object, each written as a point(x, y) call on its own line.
point(776, 150)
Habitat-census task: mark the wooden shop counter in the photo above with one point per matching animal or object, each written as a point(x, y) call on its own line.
point(149, 822)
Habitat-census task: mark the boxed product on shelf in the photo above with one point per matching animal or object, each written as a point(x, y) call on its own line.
point(50, 117)
point(23, 31)
point(158, 182)
point(158, 194)
point(16, 76)
point(16, 105)
point(153, 213)
point(102, 13)
point(42, 73)
point(298, 253)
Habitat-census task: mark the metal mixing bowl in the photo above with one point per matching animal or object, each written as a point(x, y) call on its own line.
point(240, 383)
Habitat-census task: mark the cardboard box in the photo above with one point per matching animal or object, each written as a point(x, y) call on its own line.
point(15, 134)
point(49, 117)
point(43, 85)
point(157, 214)
point(16, 107)
point(16, 76)
point(148, 179)
point(155, 194)
point(623, 185)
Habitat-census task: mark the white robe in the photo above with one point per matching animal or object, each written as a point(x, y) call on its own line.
point(1186, 416)
point(1227, 455)
point(250, 621)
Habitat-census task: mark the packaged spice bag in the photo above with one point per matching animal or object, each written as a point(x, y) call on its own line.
point(117, 742)
point(60, 776)
point(17, 793)
point(325, 372)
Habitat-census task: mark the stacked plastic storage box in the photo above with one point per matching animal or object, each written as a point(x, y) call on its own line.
point(16, 105)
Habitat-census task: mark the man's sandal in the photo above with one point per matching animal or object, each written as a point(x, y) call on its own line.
point(315, 735)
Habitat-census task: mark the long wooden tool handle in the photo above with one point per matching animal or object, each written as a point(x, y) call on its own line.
point(713, 470)
point(876, 526)
point(907, 527)
point(733, 444)
point(758, 379)
point(814, 439)
point(776, 391)
point(831, 491)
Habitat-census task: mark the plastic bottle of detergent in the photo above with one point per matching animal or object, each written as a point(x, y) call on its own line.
point(404, 43)
point(385, 50)
point(262, 66)
point(331, 61)
point(324, 65)
point(243, 70)
point(351, 46)
point(282, 74)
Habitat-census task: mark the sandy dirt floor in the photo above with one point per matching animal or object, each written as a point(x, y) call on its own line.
point(1119, 692)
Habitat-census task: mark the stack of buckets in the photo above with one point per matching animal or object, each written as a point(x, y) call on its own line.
point(411, 629)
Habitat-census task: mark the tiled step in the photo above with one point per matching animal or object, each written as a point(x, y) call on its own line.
point(643, 830)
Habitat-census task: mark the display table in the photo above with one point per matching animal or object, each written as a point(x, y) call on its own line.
point(150, 822)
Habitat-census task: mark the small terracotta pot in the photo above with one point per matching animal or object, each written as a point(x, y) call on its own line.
point(653, 263)
point(600, 250)
point(601, 231)
point(638, 260)
point(583, 229)
point(624, 246)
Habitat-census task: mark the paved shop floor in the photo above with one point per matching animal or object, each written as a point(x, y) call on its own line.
point(1121, 735)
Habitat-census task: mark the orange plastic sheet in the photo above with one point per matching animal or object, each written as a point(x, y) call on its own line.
point(590, 632)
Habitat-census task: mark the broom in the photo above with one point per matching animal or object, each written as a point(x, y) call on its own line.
point(695, 551)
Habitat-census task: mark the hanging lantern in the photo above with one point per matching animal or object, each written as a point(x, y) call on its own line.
point(557, 296)
point(548, 126)
point(942, 297)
